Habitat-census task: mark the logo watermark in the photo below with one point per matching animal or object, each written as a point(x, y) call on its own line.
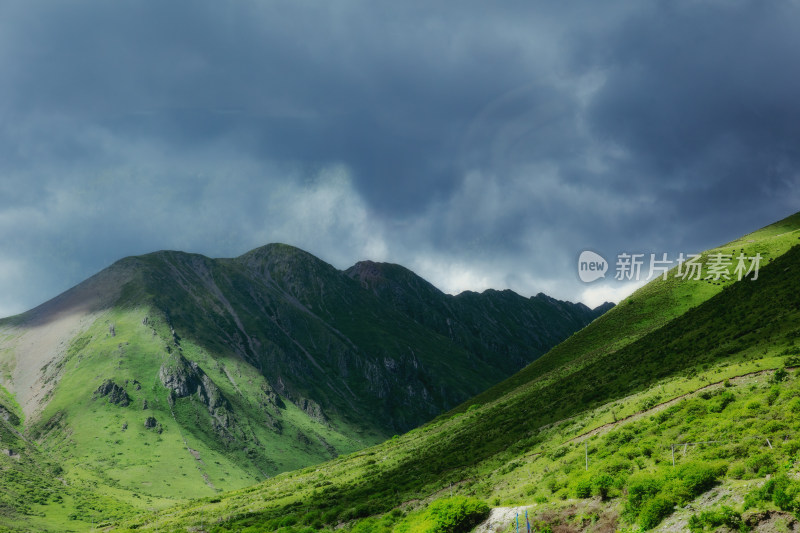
point(631, 266)
point(591, 266)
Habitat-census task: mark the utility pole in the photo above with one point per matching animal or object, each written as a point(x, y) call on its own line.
point(586, 448)
point(673, 455)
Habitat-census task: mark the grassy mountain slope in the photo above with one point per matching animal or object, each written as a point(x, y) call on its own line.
point(172, 376)
point(650, 307)
point(662, 379)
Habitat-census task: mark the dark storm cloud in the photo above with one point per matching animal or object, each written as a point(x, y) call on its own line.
point(482, 145)
point(703, 95)
point(384, 91)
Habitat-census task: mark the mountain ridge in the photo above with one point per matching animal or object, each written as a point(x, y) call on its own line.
point(586, 437)
point(175, 373)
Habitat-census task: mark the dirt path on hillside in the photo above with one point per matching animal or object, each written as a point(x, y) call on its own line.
point(660, 407)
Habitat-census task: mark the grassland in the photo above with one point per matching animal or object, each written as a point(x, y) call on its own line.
point(693, 364)
point(671, 365)
point(190, 376)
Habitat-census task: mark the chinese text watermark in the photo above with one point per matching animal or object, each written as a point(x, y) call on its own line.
point(631, 266)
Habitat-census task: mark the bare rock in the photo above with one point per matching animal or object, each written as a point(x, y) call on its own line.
point(312, 409)
point(185, 378)
point(113, 392)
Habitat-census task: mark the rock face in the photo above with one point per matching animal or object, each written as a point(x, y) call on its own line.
point(113, 392)
point(8, 416)
point(185, 378)
point(312, 409)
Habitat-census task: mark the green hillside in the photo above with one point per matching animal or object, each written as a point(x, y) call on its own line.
point(173, 376)
point(651, 307)
point(705, 370)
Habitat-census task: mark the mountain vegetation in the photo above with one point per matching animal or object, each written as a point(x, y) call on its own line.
point(679, 408)
point(172, 375)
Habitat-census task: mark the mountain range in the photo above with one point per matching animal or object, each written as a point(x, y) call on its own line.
point(174, 375)
point(677, 410)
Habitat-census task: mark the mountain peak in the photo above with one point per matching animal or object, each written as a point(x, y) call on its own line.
point(365, 270)
point(276, 251)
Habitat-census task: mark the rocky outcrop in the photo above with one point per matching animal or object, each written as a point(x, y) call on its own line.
point(185, 378)
point(8, 416)
point(312, 409)
point(115, 394)
point(271, 397)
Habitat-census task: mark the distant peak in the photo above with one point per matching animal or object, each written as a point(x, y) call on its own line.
point(383, 275)
point(365, 270)
point(603, 307)
point(275, 249)
point(277, 253)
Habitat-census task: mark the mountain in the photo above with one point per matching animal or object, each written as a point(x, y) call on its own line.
point(489, 324)
point(677, 409)
point(174, 375)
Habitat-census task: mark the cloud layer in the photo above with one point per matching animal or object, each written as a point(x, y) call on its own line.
point(480, 145)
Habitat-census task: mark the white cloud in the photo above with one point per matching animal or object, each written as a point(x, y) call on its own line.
point(326, 216)
point(595, 295)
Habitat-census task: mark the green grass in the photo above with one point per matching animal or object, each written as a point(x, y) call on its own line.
point(519, 443)
point(100, 444)
point(648, 375)
point(308, 366)
point(647, 309)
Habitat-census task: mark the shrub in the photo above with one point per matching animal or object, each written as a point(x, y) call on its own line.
point(737, 470)
point(780, 490)
point(451, 515)
point(369, 525)
point(761, 464)
point(617, 466)
point(697, 478)
point(583, 489)
point(792, 446)
point(695, 409)
point(714, 518)
point(654, 497)
point(722, 401)
point(655, 510)
point(795, 404)
point(640, 489)
point(602, 485)
point(772, 395)
point(542, 527)
point(779, 375)
point(558, 453)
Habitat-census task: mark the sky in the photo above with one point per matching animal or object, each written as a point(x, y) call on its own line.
point(480, 144)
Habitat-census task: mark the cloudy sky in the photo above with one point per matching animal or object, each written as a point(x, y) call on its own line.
point(481, 144)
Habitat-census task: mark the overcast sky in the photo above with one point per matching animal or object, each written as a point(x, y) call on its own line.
point(481, 144)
